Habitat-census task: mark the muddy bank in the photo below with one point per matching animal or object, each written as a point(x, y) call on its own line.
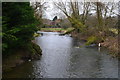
point(112, 44)
point(20, 56)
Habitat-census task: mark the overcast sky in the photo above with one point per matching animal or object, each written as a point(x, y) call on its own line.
point(52, 11)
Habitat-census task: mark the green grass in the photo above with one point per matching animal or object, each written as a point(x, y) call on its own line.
point(51, 29)
point(55, 29)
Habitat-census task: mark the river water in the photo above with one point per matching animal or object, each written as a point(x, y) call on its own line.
point(66, 57)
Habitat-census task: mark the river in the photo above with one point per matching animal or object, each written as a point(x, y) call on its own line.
point(66, 57)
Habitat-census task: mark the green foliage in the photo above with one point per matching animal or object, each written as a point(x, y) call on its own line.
point(18, 25)
point(91, 39)
point(94, 39)
point(69, 30)
point(36, 34)
point(77, 24)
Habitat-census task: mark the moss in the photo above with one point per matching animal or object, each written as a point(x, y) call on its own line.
point(36, 49)
point(91, 39)
point(69, 31)
point(95, 39)
point(77, 24)
point(36, 34)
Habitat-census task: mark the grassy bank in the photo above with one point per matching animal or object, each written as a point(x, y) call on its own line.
point(55, 29)
point(52, 29)
point(106, 39)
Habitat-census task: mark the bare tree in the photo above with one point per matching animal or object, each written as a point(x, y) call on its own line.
point(104, 11)
point(39, 8)
point(86, 10)
point(75, 9)
point(71, 10)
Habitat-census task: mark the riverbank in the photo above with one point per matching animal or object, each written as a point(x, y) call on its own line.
point(63, 58)
point(112, 44)
point(90, 37)
point(20, 56)
point(108, 42)
point(62, 30)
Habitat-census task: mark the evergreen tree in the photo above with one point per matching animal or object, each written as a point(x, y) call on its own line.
point(18, 25)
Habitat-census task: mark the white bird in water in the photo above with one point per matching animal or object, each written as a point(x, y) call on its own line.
point(99, 44)
point(29, 60)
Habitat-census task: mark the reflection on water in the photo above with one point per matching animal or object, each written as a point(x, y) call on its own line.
point(65, 57)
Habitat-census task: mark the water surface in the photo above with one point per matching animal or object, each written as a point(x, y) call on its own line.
point(66, 57)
